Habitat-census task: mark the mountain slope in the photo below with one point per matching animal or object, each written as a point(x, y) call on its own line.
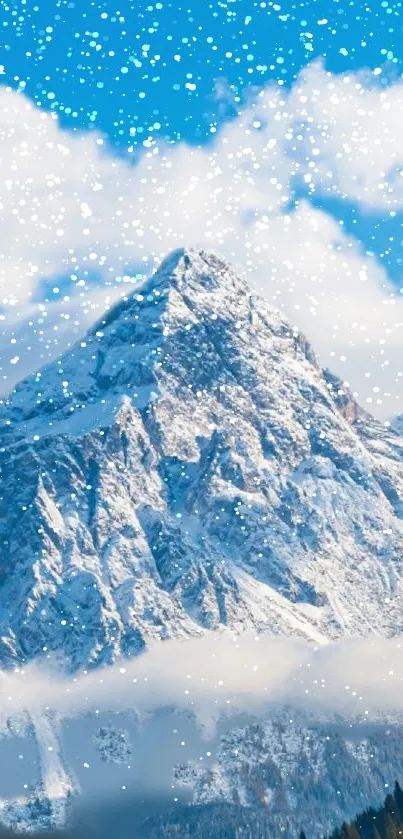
point(295, 776)
point(190, 466)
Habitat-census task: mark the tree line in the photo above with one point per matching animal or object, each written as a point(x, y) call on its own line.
point(386, 822)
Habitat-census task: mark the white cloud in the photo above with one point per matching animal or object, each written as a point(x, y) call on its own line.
point(342, 300)
point(217, 674)
point(350, 129)
point(68, 206)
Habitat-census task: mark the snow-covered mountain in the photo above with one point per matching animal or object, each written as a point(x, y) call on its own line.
point(190, 465)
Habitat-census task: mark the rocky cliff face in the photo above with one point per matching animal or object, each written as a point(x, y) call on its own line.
point(189, 465)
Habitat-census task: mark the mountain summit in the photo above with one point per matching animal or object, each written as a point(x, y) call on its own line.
point(188, 466)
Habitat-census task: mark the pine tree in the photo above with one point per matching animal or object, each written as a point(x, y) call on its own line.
point(390, 826)
point(398, 796)
point(390, 806)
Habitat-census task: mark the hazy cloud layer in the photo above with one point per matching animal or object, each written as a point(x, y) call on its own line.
point(220, 674)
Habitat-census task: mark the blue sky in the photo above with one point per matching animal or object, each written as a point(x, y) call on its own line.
point(95, 63)
point(139, 75)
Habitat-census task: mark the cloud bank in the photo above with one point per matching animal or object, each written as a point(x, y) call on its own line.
point(220, 674)
point(80, 225)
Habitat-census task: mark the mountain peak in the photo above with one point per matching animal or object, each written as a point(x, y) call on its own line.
point(178, 257)
point(189, 465)
point(192, 307)
point(186, 258)
point(186, 280)
point(192, 267)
